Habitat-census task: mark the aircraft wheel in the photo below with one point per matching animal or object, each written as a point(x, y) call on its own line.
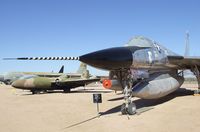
point(45, 91)
point(123, 109)
point(8, 82)
point(131, 108)
point(67, 90)
point(35, 91)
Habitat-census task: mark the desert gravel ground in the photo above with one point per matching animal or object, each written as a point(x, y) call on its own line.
point(75, 112)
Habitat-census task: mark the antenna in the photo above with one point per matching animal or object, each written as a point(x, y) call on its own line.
point(187, 42)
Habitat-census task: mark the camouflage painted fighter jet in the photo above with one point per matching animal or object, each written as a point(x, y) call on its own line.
point(10, 77)
point(65, 82)
point(142, 68)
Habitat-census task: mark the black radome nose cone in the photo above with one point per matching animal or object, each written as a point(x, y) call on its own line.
point(109, 59)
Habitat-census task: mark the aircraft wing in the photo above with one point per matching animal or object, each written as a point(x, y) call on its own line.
point(43, 74)
point(76, 82)
point(184, 62)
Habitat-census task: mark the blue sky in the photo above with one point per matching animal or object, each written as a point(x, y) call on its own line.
point(75, 27)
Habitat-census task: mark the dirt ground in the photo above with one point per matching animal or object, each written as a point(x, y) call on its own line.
point(75, 112)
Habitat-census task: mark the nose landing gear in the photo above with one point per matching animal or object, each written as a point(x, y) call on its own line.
point(128, 107)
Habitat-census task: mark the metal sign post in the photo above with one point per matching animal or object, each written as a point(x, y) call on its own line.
point(97, 98)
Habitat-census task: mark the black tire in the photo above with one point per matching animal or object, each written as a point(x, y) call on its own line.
point(8, 82)
point(68, 90)
point(123, 109)
point(131, 109)
point(35, 92)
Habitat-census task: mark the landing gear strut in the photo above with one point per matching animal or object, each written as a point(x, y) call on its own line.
point(127, 80)
point(128, 107)
point(197, 74)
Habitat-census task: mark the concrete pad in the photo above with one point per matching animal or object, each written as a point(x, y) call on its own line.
point(74, 112)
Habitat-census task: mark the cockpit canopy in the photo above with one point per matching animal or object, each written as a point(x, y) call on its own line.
point(141, 41)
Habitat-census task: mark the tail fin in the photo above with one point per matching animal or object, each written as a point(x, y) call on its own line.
point(85, 74)
point(82, 68)
point(187, 47)
point(61, 69)
point(187, 73)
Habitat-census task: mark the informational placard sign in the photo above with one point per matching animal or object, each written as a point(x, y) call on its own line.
point(97, 98)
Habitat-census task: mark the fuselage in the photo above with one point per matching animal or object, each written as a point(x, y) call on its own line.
point(45, 83)
point(10, 77)
point(139, 53)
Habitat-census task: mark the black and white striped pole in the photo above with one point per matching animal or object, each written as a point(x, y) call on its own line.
point(43, 58)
